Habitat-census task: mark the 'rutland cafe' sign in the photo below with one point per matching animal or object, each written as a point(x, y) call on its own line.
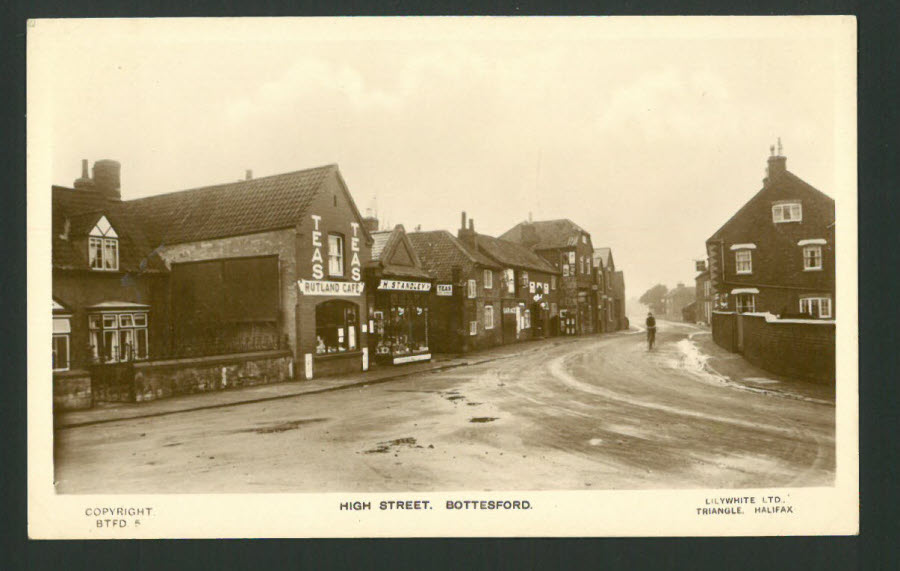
point(397, 285)
point(308, 287)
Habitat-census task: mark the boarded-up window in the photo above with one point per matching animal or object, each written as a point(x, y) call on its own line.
point(208, 295)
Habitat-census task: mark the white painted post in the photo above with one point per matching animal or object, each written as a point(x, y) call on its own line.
point(365, 358)
point(309, 363)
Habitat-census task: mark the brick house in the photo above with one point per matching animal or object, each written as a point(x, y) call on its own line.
point(109, 287)
point(776, 254)
point(703, 298)
point(263, 259)
point(467, 293)
point(569, 250)
point(610, 291)
point(528, 289)
point(399, 292)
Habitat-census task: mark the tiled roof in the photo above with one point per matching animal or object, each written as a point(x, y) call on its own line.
point(380, 239)
point(231, 209)
point(74, 213)
point(440, 250)
point(512, 254)
point(560, 233)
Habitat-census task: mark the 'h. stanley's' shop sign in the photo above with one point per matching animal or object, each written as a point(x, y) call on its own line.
point(398, 285)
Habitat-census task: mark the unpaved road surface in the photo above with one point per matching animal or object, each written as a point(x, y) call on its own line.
point(591, 413)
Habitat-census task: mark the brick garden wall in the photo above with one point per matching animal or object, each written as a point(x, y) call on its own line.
point(794, 348)
point(161, 379)
point(72, 390)
point(804, 350)
point(723, 330)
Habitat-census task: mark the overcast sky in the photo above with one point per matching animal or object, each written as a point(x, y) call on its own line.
point(650, 143)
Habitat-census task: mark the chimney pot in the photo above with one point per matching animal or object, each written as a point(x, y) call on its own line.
point(84, 182)
point(249, 174)
point(472, 224)
point(463, 223)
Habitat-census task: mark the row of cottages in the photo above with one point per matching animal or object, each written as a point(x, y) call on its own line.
point(677, 301)
point(772, 277)
point(569, 250)
point(489, 291)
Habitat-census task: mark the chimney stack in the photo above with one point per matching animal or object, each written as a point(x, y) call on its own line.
point(249, 175)
point(467, 235)
point(107, 178)
point(370, 222)
point(777, 163)
point(84, 182)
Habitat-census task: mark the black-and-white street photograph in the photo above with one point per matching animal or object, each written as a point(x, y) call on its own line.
point(428, 255)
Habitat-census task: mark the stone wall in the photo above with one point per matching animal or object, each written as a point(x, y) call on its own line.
point(72, 390)
point(161, 379)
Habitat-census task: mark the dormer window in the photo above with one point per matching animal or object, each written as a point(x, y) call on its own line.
point(103, 247)
point(787, 212)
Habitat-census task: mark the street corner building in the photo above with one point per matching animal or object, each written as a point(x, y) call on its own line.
point(206, 288)
point(772, 272)
point(399, 291)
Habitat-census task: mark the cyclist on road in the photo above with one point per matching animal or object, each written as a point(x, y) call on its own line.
point(651, 330)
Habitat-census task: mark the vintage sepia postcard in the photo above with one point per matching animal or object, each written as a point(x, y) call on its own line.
point(416, 277)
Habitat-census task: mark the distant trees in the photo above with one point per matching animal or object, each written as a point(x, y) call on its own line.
point(653, 298)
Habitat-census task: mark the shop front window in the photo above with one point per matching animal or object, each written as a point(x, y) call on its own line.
point(401, 324)
point(118, 337)
point(336, 327)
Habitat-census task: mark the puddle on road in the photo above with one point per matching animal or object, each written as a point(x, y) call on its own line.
point(282, 426)
point(385, 447)
point(483, 419)
point(595, 441)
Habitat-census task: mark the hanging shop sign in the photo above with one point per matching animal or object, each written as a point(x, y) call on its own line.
point(312, 287)
point(445, 290)
point(397, 285)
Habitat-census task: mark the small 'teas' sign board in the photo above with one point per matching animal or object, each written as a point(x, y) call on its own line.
point(700, 265)
point(445, 290)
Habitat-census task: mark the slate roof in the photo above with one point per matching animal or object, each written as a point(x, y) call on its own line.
point(603, 255)
point(74, 214)
point(511, 254)
point(384, 244)
point(439, 251)
point(231, 209)
point(551, 234)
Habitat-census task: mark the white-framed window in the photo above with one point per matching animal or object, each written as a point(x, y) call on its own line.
point(118, 337)
point(816, 306)
point(524, 277)
point(745, 302)
point(335, 255)
point(743, 261)
point(553, 282)
point(812, 258)
point(565, 270)
point(103, 247)
point(488, 317)
point(473, 328)
point(787, 212)
point(572, 257)
point(472, 289)
point(62, 328)
point(509, 276)
point(584, 238)
point(526, 319)
point(488, 279)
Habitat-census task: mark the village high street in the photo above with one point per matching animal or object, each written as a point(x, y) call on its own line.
point(595, 412)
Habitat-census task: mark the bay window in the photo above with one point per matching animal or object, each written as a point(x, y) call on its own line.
point(62, 329)
point(117, 337)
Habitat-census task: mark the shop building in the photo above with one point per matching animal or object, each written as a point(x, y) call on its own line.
point(568, 248)
point(399, 292)
point(275, 260)
point(528, 290)
point(466, 304)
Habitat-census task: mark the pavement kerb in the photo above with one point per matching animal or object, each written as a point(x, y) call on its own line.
point(357, 384)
